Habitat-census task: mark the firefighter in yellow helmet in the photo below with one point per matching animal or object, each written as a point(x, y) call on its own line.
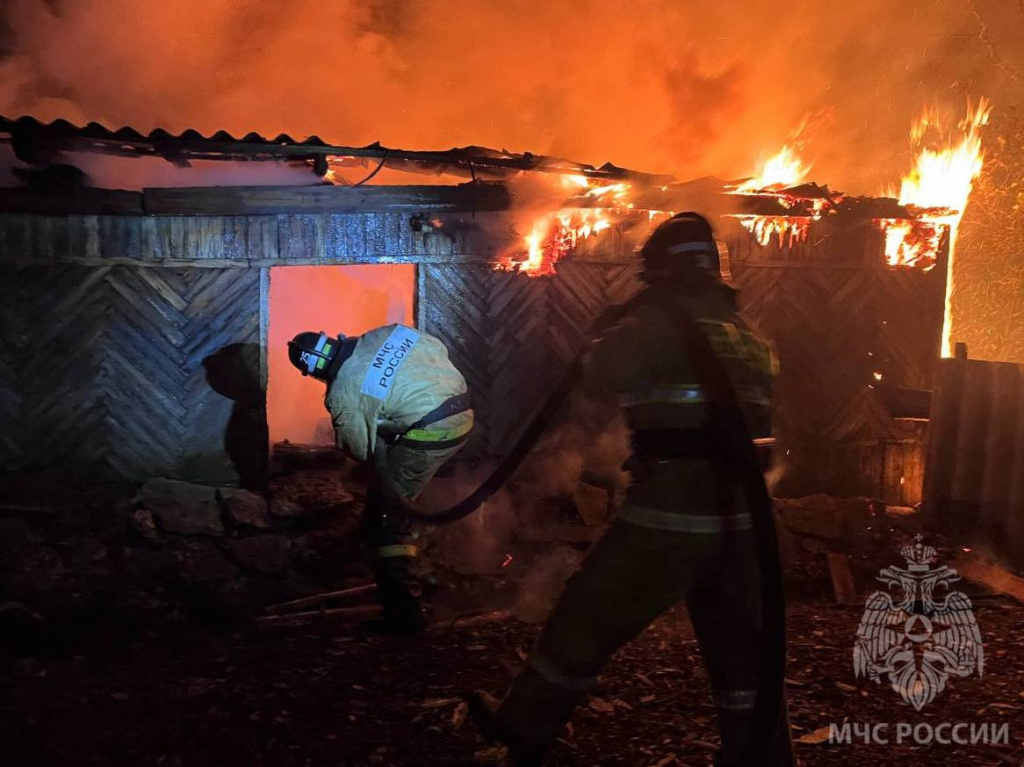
point(397, 401)
point(684, 532)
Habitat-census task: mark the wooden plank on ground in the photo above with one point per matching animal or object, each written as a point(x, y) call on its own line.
point(989, 574)
point(316, 599)
point(842, 578)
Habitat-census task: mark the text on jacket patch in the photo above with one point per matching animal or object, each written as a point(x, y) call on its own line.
point(387, 360)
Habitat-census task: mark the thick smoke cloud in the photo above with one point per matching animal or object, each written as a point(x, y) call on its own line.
point(691, 88)
point(688, 87)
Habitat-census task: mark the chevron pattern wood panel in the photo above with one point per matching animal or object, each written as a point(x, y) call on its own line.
point(157, 371)
point(52, 325)
point(576, 296)
point(513, 336)
point(787, 311)
point(834, 328)
point(493, 324)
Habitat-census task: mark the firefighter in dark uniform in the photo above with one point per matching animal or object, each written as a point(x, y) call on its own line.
point(684, 531)
point(397, 402)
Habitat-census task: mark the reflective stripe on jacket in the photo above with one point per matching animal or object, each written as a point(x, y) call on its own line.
point(395, 376)
point(642, 361)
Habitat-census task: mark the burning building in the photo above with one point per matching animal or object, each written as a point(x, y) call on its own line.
point(175, 301)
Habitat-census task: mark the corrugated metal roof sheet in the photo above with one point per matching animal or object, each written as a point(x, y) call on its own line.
point(32, 140)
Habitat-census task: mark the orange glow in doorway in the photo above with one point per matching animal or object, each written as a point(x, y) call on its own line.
point(334, 299)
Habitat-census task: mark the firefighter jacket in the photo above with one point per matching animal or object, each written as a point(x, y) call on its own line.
point(394, 376)
point(642, 362)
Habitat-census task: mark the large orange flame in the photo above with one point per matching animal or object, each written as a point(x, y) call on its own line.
point(943, 178)
point(940, 182)
point(781, 170)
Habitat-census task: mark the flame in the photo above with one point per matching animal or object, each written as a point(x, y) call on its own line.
point(939, 186)
point(554, 235)
point(593, 188)
point(780, 171)
point(789, 229)
point(913, 242)
point(943, 178)
point(534, 252)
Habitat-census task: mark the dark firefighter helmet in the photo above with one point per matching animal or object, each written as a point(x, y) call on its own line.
point(682, 248)
point(314, 353)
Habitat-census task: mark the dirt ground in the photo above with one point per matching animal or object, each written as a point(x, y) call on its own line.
point(170, 686)
point(197, 697)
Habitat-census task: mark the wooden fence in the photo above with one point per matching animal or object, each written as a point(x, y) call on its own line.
point(974, 489)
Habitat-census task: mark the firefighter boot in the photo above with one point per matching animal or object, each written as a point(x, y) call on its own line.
point(398, 591)
point(387, 528)
point(529, 718)
point(734, 725)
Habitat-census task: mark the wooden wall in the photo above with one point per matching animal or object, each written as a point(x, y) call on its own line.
point(139, 302)
point(125, 371)
point(838, 315)
point(236, 240)
point(513, 336)
point(133, 346)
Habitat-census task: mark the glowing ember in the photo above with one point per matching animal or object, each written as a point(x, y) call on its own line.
point(780, 171)
point(938, 188)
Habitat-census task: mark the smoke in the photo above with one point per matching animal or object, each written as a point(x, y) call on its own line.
point(590, 443)
point(530, 534)
point(687, 88)
point(693, 89)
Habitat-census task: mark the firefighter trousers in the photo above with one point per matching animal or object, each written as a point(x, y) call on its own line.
point(401, 473)
point(633, 574)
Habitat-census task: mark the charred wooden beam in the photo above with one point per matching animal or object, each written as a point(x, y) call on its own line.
point(257, 200)
point(988, 573)
point(84, 200)
point(323, 618)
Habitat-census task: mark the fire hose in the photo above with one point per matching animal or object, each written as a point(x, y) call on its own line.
point(725, 417)
point(509, 463)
